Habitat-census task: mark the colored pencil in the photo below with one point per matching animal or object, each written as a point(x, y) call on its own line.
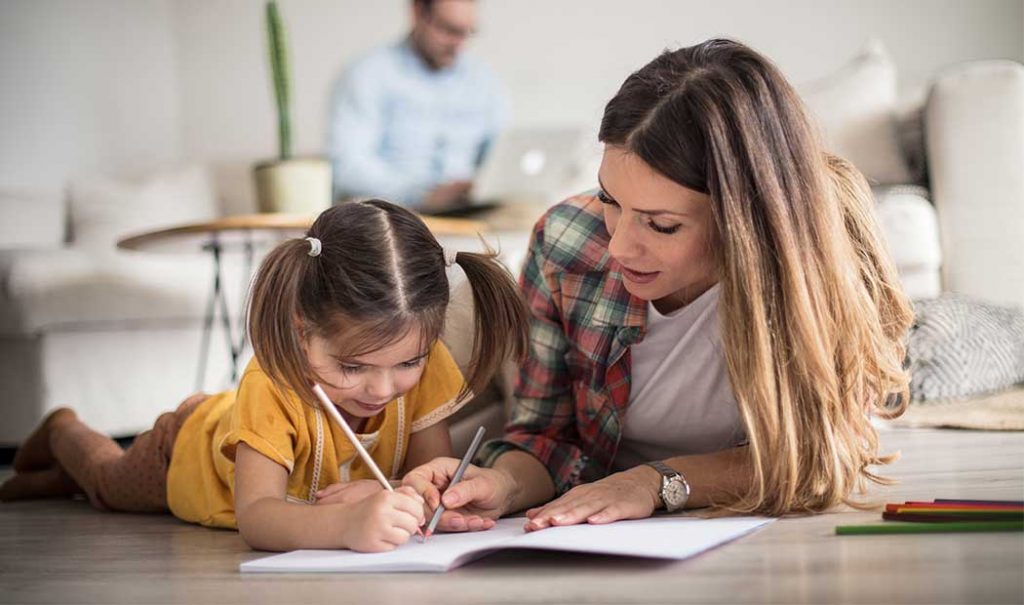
point(960, 505)
point(932, 506)
point(952, 516)
point(983, 502)
point(998, 505)
point(957, 513)
point(929, 528)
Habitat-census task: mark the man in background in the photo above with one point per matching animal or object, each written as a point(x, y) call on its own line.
point(411, 122)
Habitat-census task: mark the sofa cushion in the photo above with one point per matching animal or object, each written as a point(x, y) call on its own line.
point(67, 289)
point(104, 210)
point(32, 219)
point(975, 137)
point(856, 109)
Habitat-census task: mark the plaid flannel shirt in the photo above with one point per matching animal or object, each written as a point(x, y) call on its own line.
point(573, 389)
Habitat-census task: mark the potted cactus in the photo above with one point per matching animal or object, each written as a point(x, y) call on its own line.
point(288, 184)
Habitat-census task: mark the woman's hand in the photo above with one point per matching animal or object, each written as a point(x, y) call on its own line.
point(631, 494)
point(383, 521)
point(348, 492)
point(473, 503)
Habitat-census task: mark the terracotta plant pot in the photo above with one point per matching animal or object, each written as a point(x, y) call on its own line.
point(295, 186)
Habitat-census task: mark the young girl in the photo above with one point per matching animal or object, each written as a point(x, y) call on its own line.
point(357, 307)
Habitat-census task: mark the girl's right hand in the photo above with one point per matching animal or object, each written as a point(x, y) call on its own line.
point(383, 521)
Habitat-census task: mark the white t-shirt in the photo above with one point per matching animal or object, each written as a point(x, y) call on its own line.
point(680, 400)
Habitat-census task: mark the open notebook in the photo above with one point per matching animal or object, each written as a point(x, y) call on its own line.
point(658, 538)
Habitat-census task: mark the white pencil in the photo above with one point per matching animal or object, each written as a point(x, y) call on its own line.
point(333, 412)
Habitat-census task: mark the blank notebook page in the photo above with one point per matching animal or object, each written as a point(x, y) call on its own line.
point(658, 537)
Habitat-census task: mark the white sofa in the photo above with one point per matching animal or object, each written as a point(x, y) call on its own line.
point(116, 334)
point(113, 333)
point(962, 151)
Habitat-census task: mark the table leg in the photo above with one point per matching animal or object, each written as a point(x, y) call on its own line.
point(229, 335)
point(211, 308)
point(243, 332)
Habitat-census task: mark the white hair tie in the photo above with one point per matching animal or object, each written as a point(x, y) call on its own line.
point(314, 246)
point(449, 256)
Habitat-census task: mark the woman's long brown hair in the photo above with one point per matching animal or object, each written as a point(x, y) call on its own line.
point(380, 273)
point(812, 314)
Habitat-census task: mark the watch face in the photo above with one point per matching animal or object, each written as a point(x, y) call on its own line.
point(674, 494)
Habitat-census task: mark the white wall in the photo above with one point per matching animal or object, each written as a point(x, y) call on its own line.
point(561, 60)
point(85, 86)
point(111, 84)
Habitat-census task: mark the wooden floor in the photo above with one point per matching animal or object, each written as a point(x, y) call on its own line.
point(64, 552)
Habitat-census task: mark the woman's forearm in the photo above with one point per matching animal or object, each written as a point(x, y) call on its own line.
point(715, 478)
point(529, 482)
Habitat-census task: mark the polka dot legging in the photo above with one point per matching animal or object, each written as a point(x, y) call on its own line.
point(128, 480)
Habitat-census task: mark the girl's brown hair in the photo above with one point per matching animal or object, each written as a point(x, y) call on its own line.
point(380, 273)
point(812, 313)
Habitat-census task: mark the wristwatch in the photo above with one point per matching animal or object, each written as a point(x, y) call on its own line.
point(675, 491)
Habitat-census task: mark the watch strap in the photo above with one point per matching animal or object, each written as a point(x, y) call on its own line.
point(666, 471)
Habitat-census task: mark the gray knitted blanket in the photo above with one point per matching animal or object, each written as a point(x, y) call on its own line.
point(959, 348)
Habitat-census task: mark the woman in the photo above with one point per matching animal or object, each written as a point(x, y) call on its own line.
point(714, 327)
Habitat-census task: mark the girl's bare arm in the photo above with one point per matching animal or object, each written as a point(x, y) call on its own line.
point(432, 442)
point(267, 521)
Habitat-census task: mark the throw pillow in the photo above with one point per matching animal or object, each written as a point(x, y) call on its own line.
point(856, 108)
point(104, 210)
point(959, 348)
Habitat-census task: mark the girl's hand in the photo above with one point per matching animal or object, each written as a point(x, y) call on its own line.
point(473, 504)
point(383, 521)
point(631, 494)
point(348, 492)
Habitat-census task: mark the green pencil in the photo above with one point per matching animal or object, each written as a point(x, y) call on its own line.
point(929, 528)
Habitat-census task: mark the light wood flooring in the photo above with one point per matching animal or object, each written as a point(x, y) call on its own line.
point(64, 552)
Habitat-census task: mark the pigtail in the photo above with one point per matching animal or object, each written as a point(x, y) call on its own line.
point(273, 310)
point(500, 321)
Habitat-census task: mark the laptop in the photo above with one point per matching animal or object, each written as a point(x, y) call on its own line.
point(524, 165)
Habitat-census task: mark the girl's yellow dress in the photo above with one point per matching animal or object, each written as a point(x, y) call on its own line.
point(299, 437)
